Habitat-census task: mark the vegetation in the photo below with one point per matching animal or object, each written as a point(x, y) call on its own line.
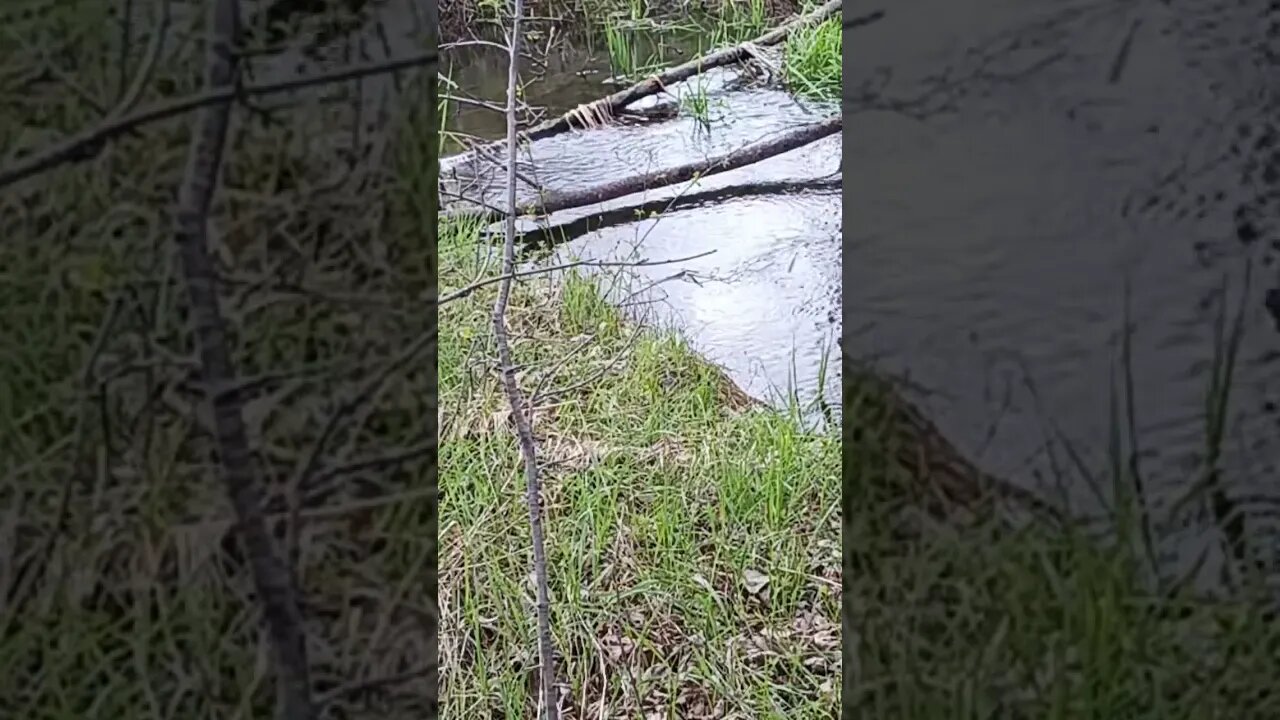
point(691, 531)
point(812, 61)
point(458, 17)
point(124, 590)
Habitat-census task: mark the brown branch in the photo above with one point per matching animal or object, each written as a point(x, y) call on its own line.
point(88, 143)
point(553, 201)
point(272, 579)
point(524, 431)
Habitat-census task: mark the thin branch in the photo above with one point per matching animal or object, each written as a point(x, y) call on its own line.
point(87, 143)
point(465, 291)
point(528, 451)
point(271, 577)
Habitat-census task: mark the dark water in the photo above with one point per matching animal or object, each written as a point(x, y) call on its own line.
point(765, 303)
point(998, 217)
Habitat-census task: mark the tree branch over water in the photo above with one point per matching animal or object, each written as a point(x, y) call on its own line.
point(271, 576)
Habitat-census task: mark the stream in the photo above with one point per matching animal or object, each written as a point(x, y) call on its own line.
point(764, 304)
point(1040, 158)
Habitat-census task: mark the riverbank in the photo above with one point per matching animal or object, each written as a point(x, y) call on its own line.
point(692, 535)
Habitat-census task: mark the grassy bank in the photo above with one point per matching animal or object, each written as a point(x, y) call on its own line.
point(812, 60)
point(692, 537)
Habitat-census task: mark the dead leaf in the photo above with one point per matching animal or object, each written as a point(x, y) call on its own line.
point(754, 580)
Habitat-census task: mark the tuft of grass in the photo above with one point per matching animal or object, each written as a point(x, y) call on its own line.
point(743, 19)
point(812, 60)
point(692, 536)
point(695, 102)
point(622, 50)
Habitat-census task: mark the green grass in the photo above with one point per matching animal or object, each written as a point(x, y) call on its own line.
point(812, 60)
point(983, 623)
point(118, 596)
point(623, 60)
point(667, 498)
point(695, 102)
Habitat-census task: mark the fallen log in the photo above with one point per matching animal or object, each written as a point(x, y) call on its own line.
point(613, 217)
point(584, 116)
point(554, 201)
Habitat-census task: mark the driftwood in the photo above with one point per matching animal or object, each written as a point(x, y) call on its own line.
point(628, 214)
point(555, 201)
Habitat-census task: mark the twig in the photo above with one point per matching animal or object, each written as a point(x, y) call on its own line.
point(463, 292)
point(627, 347)
point(271, 576)
point(523, 430)
point(87, 143)
point(307, 469)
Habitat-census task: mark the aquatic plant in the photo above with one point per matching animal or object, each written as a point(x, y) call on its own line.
point(622, 50)
point(696, 103)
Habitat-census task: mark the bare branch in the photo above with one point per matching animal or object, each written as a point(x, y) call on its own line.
point(524, 431)
point(272, 579)
point(555, 201)
point(465, 291)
